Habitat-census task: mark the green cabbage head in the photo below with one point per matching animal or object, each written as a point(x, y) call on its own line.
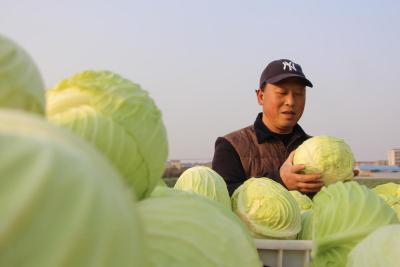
point(267, 208)
point(327, 155)
point(306, 232)
point(206, 182)
point(343, 215)
point(379, 249)
point(305, 203)
point(61, 202)
point(21, 85)
point(119, 118)
point(388, 189)
point(165, 191)
point(184, 229)
point(390, 192)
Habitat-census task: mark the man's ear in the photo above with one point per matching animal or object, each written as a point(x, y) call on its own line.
point(260, 97)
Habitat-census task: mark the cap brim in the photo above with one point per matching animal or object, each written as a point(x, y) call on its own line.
point(284, 76)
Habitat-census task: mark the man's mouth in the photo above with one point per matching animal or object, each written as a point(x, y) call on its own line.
point(289, 113)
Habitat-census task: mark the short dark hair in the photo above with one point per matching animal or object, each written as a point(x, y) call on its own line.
point(263, 85)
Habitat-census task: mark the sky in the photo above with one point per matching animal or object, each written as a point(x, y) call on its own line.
point(201, 60)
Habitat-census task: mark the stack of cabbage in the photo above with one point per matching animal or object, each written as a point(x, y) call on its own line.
point(119, 118)
point(67, 202)
point(21, 86)
point(390, 192)
point(344, 214)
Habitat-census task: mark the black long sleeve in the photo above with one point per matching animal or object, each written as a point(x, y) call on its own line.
point(226, 162)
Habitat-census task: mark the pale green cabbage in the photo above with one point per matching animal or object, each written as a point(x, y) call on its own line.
point(388, 189)
point(393, 202)
point(306, 232)
point(204, 181)
point(184, 229)
point(304, 202)
point(390, 192)
point(327, 155)
point(164, 191)
point(344, 214)
point(119, 118)
point(267, 208)
point(21, 85)
point(379, 249)
point(61, 202)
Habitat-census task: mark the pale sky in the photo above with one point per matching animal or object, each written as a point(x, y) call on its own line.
point(201, 60)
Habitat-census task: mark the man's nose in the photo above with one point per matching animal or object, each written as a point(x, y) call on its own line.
point(289, 100)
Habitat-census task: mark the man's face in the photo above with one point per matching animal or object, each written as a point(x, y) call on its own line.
point(283, 104)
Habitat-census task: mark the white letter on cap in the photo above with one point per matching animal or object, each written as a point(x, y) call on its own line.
point(289, 64)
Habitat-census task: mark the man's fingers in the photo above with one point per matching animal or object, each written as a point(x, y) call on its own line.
point(297, 168)
point(305, 178)
point(309, 187)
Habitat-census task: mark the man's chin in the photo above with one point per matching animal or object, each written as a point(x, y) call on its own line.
point(287, 127)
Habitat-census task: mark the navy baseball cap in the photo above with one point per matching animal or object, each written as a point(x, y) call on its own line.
point(281, 69)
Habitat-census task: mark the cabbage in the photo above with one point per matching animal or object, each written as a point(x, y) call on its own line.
point(267, 208)
point(61, 202)
point(164, 191)
point(327, 155)
point(390, 192)
point(379, 249)
point(21, 85)
point(304, 202)
point(206, 182)
point(344, 214)
point(119, 118)
point(388, 189)
point(189, 230)
point(306, 232)
point(393, 202)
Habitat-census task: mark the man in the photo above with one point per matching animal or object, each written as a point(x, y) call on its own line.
point(266, 148)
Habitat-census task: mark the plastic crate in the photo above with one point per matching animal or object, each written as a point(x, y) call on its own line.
point(284, 253)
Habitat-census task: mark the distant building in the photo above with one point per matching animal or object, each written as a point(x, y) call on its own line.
point(360, 163)
point(381, 162)
point(369, 163)
point(174, 164)
point(377, 168)
point(394, 157)
point(187, 163)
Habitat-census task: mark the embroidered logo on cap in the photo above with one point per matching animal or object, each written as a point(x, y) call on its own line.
point(289, 64)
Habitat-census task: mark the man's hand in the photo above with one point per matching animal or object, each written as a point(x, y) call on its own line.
point(295, 181)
